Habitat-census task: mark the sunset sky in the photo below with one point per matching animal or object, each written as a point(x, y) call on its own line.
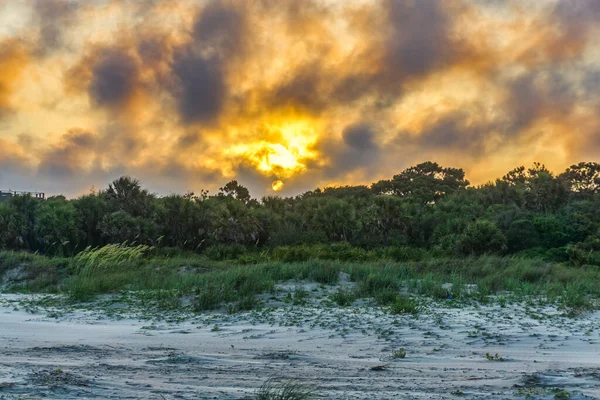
point(187, 95)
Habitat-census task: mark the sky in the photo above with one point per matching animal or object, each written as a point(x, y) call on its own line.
point(291, 95)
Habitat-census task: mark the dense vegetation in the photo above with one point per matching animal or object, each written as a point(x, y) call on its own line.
point(426, 209)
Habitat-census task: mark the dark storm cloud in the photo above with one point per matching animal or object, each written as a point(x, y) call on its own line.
point(114, 78)
point(359, 137)
point(453, 131)
point(201, 90)
point(54, 18)
point(538, 95)
point(200, 66)
point(220, 26)
point(358, 150)
point(419, 39)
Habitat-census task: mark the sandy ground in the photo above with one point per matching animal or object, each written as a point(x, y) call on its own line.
point(81, 354)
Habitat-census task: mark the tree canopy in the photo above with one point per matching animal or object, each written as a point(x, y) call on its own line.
point(425, 206)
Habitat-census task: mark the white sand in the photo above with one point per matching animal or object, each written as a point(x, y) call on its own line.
point(84, 354)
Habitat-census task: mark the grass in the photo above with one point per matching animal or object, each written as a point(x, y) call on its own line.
point(166, 278)
point(405, 305)
point(273, 389)
point(399, 354)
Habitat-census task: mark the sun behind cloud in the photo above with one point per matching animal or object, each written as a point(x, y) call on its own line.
point(282, 150)
point(277, 185)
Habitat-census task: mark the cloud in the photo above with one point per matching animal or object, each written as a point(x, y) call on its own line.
point(14, 59)
point(115, 77)
point(54, 18)
point(357, 150)
point(220, 27)
point(200, 89)
point(70, 156)
point(184, 94)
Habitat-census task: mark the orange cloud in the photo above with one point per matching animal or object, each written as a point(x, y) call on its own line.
point(311, 92)
point(13, 61)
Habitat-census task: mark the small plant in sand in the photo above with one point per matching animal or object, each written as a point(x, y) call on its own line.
point(300, 297)
point(399, 353)
point(273, 389)
point(405, 305)
point(343, 297)
point(494, 357)
point(562, 394)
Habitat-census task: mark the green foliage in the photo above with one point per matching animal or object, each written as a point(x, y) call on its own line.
point(405, 305)
point(107, 259)
point(494, 357)
point(399, 354)
point(426, 211)
point(481, 237)
point(424, 183)
point(56, 226)
point(344, 297)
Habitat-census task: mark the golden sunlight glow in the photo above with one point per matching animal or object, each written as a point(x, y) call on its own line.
point(277, 185)
point(283, 151)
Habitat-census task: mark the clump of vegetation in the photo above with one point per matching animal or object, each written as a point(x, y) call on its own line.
point(494, 357)
point(424, 231)
point(274, 389)
point(344, 297)
point(405, 305)
point(104, 260)
point(399, 354)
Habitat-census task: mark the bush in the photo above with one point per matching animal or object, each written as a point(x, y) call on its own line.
point(293, 253)
point(405, 305)
point(344, 297)
point(222, 252)
point(481, 237)
point(403, 253)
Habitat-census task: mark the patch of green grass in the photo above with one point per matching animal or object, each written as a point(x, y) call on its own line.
point(405, 305)
point(399, 354)
point(494, 357)
point(167, 276)
point(344, 297)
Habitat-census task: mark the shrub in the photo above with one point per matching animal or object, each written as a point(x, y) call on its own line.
point(399, 353)
point(344, 297)
point(405, 305)
point(222, 252)
point(481, 237)
point(293, 253)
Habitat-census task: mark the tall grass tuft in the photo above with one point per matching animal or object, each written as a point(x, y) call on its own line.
point(108, 259)
point(286, 390)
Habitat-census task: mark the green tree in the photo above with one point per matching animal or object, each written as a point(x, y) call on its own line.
point(583, 178)
point(126, 194)
point(424, 183)
point(481, 237)
point(386, 217)
point(335, 218)
point(90, 211)
point(56, 226)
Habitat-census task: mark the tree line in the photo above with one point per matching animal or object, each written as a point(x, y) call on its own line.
point(530, 211)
